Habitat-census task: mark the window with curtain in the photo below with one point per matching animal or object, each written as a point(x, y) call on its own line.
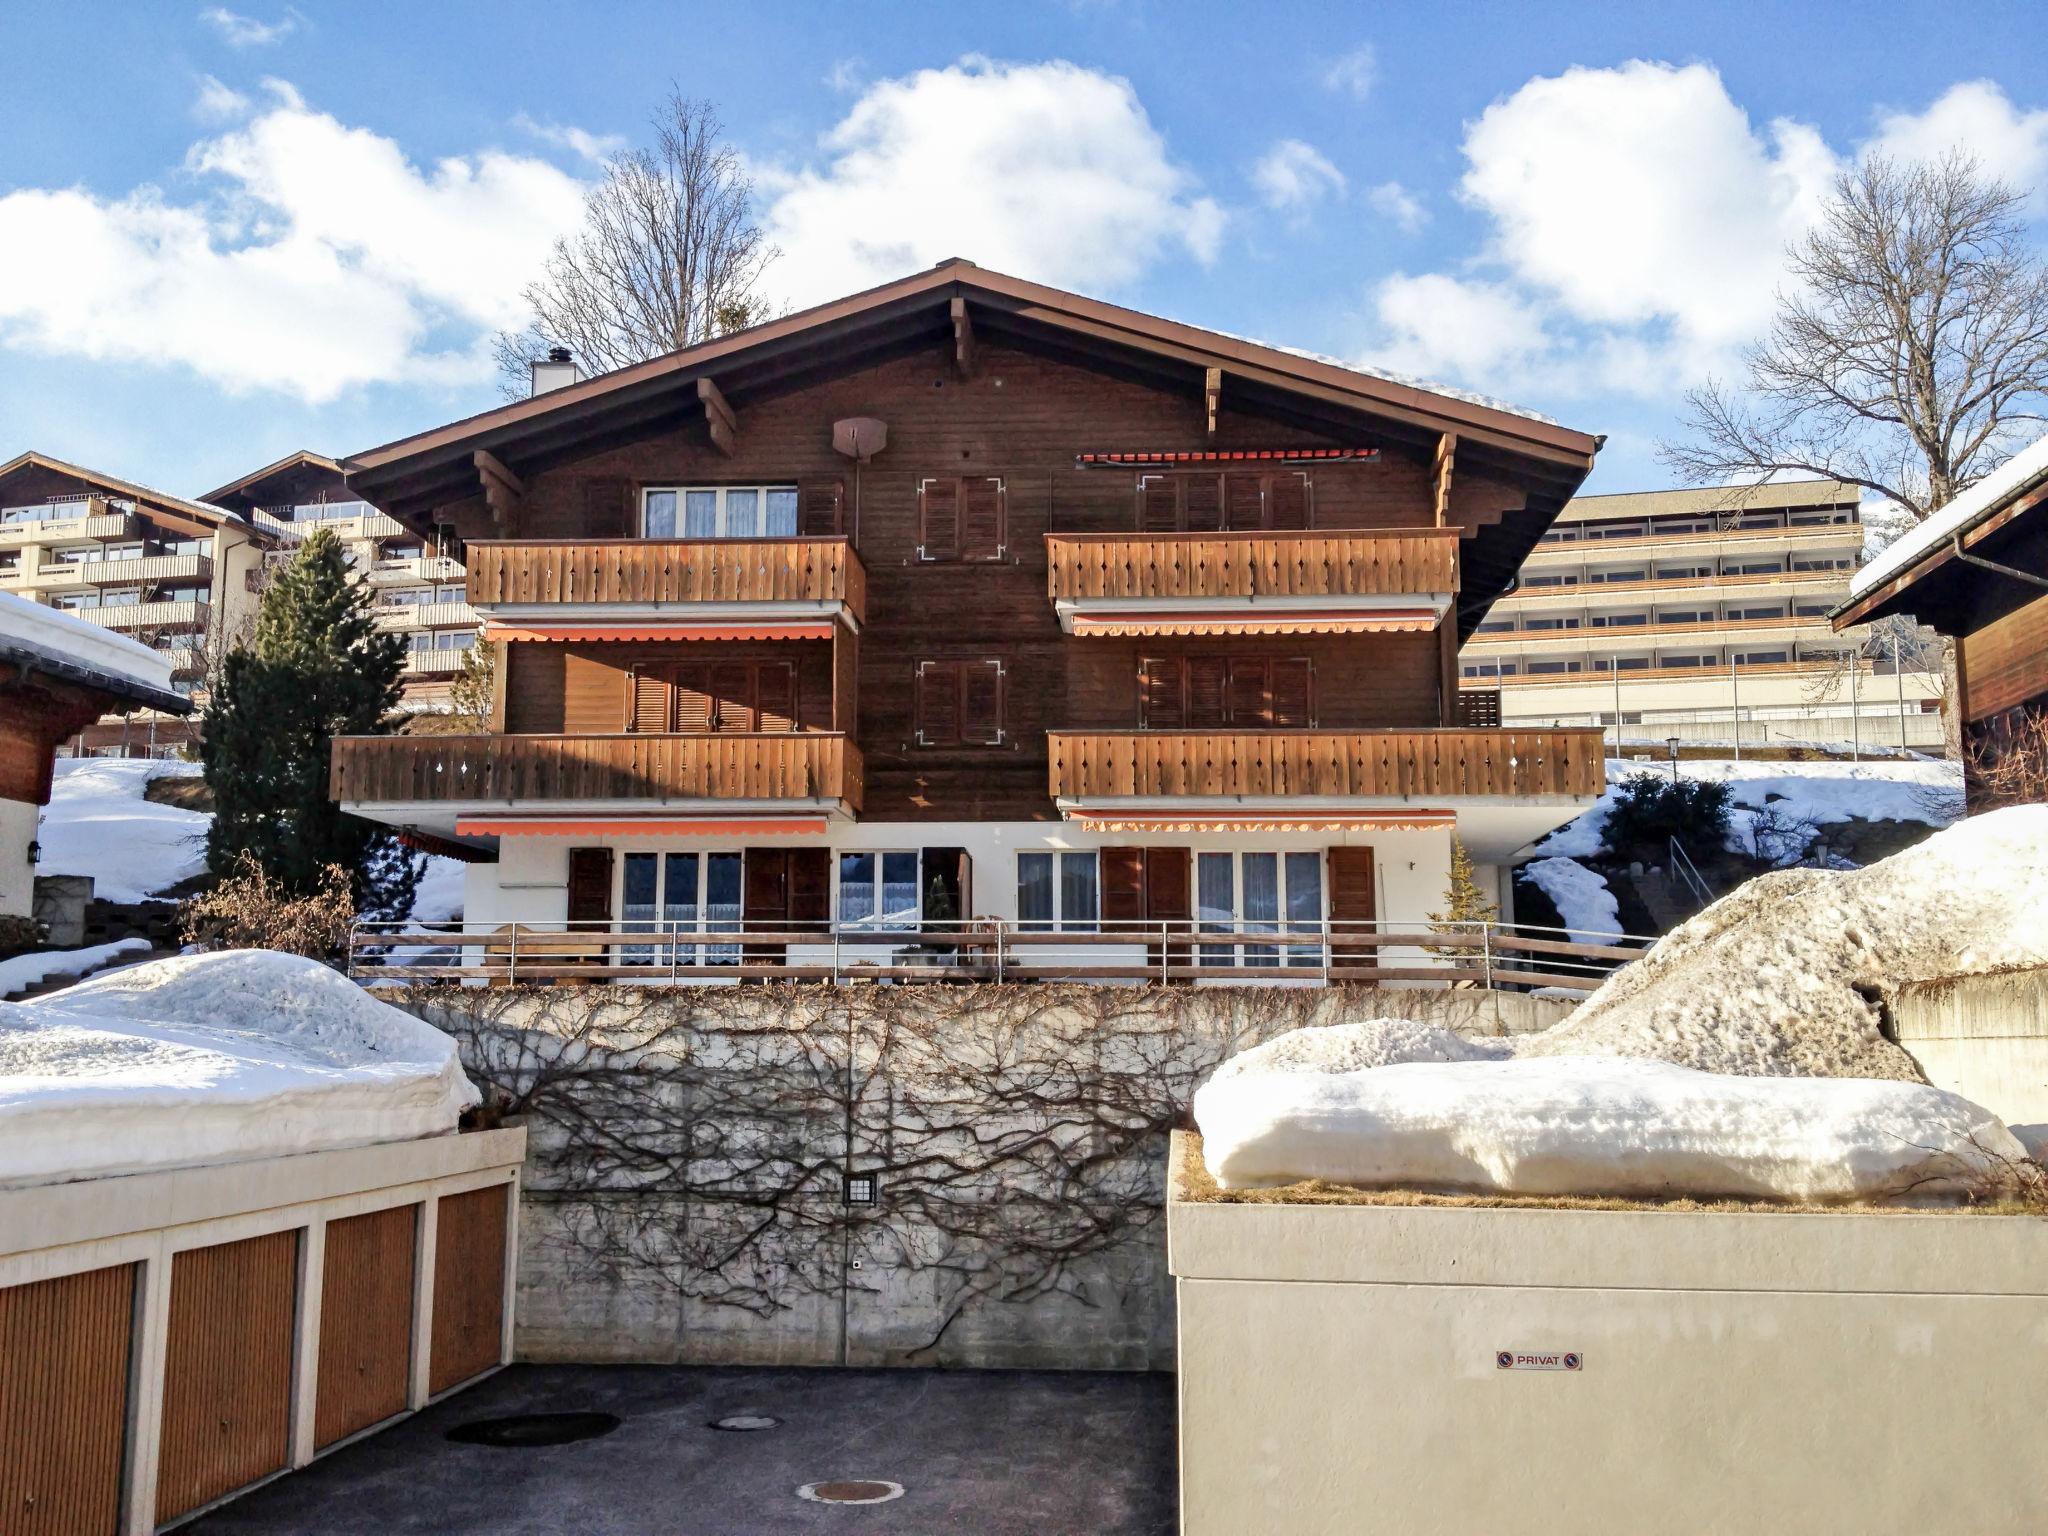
point(720, 512)
point(677, 895)
point(1059, 891)
point(878, 889)
point(1258, 892)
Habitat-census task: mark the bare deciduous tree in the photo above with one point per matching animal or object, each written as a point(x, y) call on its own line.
point(1911, 343)
point(2008, 764)
point(668, 255)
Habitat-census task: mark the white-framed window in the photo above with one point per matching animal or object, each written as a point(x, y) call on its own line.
point(681, 894)
point(1259, 893)
point(878, 889)
point(719, 512)
point(1059, 891)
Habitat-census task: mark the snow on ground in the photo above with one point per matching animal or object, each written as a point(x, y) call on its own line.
point(1357, 1047)
point(98, 823)
point(1778, 977)
point(213, 1058)
point(439, 897)
point(1590, 912)
point(26, 971)
point(1595, 1126)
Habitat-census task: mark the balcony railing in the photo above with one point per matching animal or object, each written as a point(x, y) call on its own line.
point(348, 519)
point(132, 616)
point(1484, 954)
point(802, 765)
point(530, 574)
point(1550, 550)
point(127, 573)
point(1606, 636)
point(449, 615)
point(1126, 765)
point(1403, 562)
point(405, 570)
point(438, 661)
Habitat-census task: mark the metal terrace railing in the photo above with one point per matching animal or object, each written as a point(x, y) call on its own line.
point(1483, 954)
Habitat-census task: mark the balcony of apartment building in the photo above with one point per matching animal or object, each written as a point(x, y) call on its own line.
point(349, 521)
point(82, 517)
point(1716, 534)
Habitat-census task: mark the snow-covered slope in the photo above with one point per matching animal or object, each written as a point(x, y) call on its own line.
point(213, 1058)
point(1591, 914)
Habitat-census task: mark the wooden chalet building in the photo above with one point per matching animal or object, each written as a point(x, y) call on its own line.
point(966, 601)
point(1976, 572)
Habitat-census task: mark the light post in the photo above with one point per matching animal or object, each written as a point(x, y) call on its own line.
point(1671, 742)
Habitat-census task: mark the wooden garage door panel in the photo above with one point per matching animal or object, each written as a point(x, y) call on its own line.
point(365, 1322)
point(64, 1401)
point(227, 1369)
point(469, 1286)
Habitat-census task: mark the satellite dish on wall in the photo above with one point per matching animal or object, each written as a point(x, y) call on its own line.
point(860, 437)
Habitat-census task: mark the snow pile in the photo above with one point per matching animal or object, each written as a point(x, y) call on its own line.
point(213, 1058)
point(1780, 977)
point(1358, 1047)
point(26, 971)
point(99, 823)
point(66, 637)
point(1591, 914)
point(1595, 1126)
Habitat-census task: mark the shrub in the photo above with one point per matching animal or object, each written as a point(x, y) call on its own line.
point(250, 909)
point(19, 936)
point(1649, 810)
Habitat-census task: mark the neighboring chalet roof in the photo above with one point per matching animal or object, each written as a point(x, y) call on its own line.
point(411, 477)
point(1712, 498)
point(127, 673)
point(277, 483)
point(1999, 519)
point(161, 502)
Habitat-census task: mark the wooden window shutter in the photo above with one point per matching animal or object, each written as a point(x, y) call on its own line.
point(1244, 500)
point(1248, 697)
point(810, 886)
point(1167, 884)
point(590, 885)
point(778, 696)
point(981, 702)
point(821, 508)
point(938, 520)
point(693, 711)
point(764, 881)
point(981, 519)
point(1287, 501)
point(1123, 886)
point(938, 703)
point(1157, 508)
point(608, 508)
point(1160, 703)
point(1351, 896)
point(649, 696)
point(1208, 692)
point(732, 696)
point(1293, 693)
point(1202, 503)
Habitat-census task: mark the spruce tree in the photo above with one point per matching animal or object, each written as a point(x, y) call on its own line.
point(1465, 904)
point(318, 667)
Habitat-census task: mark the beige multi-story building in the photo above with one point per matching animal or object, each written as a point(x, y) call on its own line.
point(172, 573)
point(417, 580)
point(1702, 615)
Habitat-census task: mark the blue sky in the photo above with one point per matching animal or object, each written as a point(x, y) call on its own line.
point(227, 233)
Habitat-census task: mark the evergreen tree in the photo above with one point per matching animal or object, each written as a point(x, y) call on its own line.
point(1464, 903)
point(318, 667)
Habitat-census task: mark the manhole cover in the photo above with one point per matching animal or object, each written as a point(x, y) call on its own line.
point(852, 1490)
point(742, 1421)
point(521, 1430)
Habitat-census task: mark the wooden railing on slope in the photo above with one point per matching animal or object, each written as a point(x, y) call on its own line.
point(533, 572)
point(1138, 764)
point(800, 765)
point(1196, 565)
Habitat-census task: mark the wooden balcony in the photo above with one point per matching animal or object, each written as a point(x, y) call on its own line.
point(806, 766)
point(534, 576)
point(1277, 765)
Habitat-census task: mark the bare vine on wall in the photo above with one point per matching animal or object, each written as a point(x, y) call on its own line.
point(699, 1139)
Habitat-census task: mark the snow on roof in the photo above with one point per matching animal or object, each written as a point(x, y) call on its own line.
point(1385, 375)
point(214, 1058)
point(74, 642)
point(2014, 477)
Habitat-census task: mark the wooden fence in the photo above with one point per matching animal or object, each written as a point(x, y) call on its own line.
point(530, 573)
point(1234, 565)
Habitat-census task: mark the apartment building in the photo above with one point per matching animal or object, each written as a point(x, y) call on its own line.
point(172, 573)
point(967, 601)
point(415, 574)
point(1702, 615)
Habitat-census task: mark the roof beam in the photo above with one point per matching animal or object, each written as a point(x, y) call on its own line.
point(1212, 393)
point(963, 339)
point(718, 415)
point(1446, 466)
point(504, 492)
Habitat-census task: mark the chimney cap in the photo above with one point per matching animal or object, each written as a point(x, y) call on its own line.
point(560, 355)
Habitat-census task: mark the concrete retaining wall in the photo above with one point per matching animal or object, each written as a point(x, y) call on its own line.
point(684, 1189)
point(1984, 1037)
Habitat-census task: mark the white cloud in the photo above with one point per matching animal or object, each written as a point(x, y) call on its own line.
point(314, 257)
point(593, 147)
point(1049, 171)
point(1393, 201)
point(1438, 325)
point(1353, 73)
point(1294, 175)
point(1976, 116)
point(247, 32)
point(846, 75)
point(217, 103)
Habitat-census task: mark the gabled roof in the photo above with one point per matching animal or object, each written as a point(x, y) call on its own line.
point(200, 511)
point(290, 465)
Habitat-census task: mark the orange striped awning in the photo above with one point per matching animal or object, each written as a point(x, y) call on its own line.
point(1383, 621)
point(1228, 456)
point(679, 629)
point(1392, 819)
point(640, 826)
